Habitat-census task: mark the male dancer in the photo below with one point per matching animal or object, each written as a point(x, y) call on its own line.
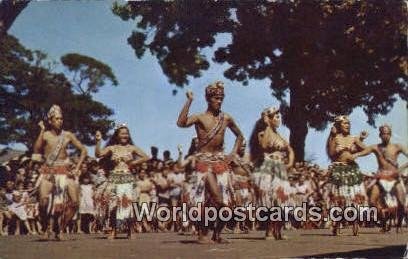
point(210, 159)
point(55, 175)
point(387, 158)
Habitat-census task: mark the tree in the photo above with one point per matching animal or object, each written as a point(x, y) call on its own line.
point(322, 58)
point(89, 71)
point(9, 10)
point(28, 88)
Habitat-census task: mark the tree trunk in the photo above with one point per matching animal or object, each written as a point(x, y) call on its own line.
point(297, 123)
point(9, 10)
point(298, 132)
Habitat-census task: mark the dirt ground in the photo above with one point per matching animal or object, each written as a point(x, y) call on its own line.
point(300, 243)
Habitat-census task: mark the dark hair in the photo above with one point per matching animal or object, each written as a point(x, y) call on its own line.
point(193, 147)
point(3, 176)
point(154, 150)
point(85, 176)
point(255, 149)
point(385, 126)
point(114, 140)
point(330, 138)
point(166, 153)
point(92, 164)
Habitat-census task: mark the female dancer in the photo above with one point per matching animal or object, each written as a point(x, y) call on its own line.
point(120, 154)
point(345, 176)
point(272, 156)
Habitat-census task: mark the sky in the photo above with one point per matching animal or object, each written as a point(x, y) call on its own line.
point(143, 99)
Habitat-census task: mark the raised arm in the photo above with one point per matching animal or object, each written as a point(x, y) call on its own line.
point(331, 144)
point(39, 143)
point(237, 132)
point(182, 163)
point(359, 143)
point(184, 120)
point(100, 152)
point(81, 148)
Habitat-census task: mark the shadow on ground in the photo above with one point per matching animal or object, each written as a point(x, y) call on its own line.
point(248, 238)
point(383, 252)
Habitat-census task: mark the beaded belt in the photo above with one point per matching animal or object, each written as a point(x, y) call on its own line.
point(63, 169)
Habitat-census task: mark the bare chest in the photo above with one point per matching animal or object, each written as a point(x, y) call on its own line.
point(53, 141)
point(345, 143)
point(208, 122)
point(389, 152)
point(210, 132)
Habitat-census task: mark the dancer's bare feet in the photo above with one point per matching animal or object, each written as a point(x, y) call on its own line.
point(60, 237)
point(335, 230)
point(203, 240)
point(269, 234)
point(244, 230)
point(222, 241)
point(147, 228)
point(112, 235)
point(283, 237)
point(46, 235)
point(237, 230)
point(131, 236)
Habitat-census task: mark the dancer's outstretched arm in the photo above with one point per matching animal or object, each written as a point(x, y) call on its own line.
point(368, 150)
point(184, 121)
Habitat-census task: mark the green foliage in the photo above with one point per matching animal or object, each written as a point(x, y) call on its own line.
point(89, 71)
point(323, 58)
point(28, 88)
point(176, 33)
